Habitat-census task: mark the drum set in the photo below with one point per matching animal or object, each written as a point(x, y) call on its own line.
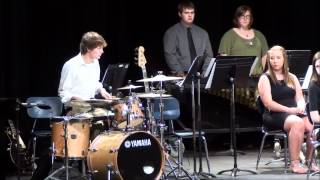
point(131, 144)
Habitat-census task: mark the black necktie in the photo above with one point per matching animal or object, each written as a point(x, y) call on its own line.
point(192, 48)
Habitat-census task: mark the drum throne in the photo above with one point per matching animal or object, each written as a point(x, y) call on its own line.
point(174, 138)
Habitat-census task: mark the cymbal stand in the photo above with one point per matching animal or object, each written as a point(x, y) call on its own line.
point(152, 121)
point(162, 127)
point(66, 166)
point(129, 105)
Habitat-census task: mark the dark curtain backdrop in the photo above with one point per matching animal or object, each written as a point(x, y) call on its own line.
point(37, 37)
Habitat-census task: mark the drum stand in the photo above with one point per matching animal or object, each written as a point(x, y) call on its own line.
point(109, 171)
point(162, 127)
point(66, 166)
point(129, 104)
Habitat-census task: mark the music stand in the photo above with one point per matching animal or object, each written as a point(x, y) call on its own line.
point(114, 76)
point(299, 61)
point(228, 72)
point(193, 77)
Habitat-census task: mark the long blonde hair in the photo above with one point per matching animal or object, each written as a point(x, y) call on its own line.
point(285, 68)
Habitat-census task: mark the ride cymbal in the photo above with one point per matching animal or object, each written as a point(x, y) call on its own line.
point(160, 78)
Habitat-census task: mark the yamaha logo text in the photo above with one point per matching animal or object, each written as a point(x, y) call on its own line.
point(137, 143)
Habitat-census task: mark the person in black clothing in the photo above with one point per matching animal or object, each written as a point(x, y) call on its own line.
point(281, 94)
point(314, 89)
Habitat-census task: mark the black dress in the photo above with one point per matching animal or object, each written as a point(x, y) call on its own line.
point(314, 96)
point(284, 95)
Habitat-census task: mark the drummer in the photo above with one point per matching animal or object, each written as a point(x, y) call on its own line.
point(79, 81)
point(80, 75)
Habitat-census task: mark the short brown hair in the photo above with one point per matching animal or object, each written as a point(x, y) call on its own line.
point(91, 40)
point(185, 4)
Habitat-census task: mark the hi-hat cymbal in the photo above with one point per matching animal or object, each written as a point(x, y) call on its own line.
point(151, 95)
point(160, 78)
point(129, 87)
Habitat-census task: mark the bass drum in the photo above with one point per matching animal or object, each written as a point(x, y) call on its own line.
point(133, 155)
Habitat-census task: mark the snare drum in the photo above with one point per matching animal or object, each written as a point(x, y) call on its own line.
point(133, 155)
point(121, 111)
point(78, 131)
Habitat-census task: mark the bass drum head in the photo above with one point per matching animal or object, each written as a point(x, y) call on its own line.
point(140, 157)
point(133, 155)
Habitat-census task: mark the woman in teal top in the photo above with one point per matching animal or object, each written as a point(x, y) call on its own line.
point(243, 40)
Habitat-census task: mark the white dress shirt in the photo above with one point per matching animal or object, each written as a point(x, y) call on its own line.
point(79, 79)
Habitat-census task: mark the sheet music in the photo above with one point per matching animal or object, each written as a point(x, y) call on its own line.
point(181, 83)
point(209, 82)
point(254, 64)
point(307, 78)
point(208, 70)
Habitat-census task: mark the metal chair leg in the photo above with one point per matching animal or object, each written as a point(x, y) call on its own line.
point(206, 151)
point(286, 153)
point(261, 149)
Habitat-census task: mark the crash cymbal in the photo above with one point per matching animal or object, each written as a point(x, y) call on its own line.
point(160, 78)
point(151, 95)
point(129, 87)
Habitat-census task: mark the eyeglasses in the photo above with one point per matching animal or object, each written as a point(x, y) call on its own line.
point(245, 16)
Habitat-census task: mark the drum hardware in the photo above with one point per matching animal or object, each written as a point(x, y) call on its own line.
point(128, 115)
point(129, 110)
point(162, 126)
point(160, 78)
point(129, 105)
point(109, 171)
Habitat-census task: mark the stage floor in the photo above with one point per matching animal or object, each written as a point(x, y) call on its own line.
point(225, 162)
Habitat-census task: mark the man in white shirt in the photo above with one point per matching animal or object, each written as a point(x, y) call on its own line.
point(80, 75)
